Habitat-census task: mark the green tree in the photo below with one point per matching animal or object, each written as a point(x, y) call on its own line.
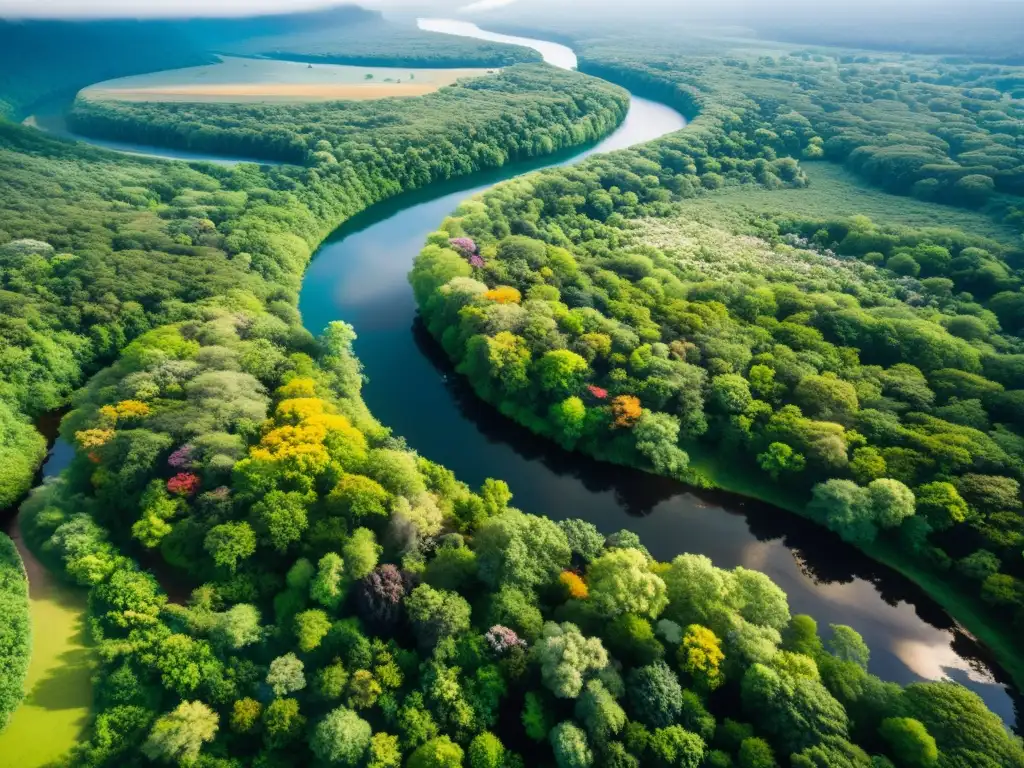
point(755, 753)
point(384, 751)
point(486, 751)
point(570, 746)
point(910, 742)
point(282, 723)
point(286, 675)
point(847, 644)
point(567, 658)
point(311, 627)
point(826, 397)
point(441, 752)
point(560, 373)
point(798, 712)
point(178, 736)
point(535, 717)
point(360, 553)
point(229, 543)
point(330, 681)
point(245, 715)
point(621, 582)
point(675, 747)
point(654, 694)
point(585, 540)
point(341, 738)
point(436, 614)
point(941, 505)
point(600, 713)
point(514, 549)
point(281, 518)
point(328, 587)
point(780, 458)
point(239, 626)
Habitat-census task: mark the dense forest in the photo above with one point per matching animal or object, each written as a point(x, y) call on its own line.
point(872, 369)
point(938, 130)
point(975, 30)
point(100, 247)
point(520, 112)
point(358, 606)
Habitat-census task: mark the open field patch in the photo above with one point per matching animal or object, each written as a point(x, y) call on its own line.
point(263, 80)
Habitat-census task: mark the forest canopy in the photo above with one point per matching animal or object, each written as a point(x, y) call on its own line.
point(356, 604)
point(867, 368)
point(96, 248)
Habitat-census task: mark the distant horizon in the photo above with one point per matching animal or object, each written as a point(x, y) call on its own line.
point(184, 9)
point(169, 9)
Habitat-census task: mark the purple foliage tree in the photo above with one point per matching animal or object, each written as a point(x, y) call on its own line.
point(502, 639)
point(464, 245)
point(181, 458)
point(379, 596)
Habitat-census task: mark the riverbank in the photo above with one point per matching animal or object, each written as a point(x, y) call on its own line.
point(58, 687)
point(414, 390)
point(58, 684)
point(727, 476)
point(15, 629)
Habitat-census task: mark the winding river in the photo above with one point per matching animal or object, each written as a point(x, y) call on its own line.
point(359, 275)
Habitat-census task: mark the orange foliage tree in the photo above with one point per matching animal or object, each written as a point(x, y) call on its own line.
point(626, 410)
point(576, 587)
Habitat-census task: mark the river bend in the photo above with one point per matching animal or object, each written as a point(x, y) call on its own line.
point(359, 275)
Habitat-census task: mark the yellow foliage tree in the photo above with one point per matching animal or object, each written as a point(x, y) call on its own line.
point(504, 294)
point(93, 438)
point(700, 657)
point(576, 587)
point(301, 386)
point(124, 410)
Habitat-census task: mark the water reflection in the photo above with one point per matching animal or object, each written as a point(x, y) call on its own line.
point(357, 277)
point(910, 636)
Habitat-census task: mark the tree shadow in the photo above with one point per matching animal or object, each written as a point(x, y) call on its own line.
point(59, 688)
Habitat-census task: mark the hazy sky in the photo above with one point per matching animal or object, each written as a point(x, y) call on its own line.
point(135, 9)
point(139, 8)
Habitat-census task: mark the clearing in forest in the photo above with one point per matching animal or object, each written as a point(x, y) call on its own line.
point(266, 80)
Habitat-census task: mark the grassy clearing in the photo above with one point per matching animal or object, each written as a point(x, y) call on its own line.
point(833, 192)
point(264, 80)
point(58, 688)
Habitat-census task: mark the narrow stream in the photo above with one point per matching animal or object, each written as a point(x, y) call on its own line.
point(359, 275)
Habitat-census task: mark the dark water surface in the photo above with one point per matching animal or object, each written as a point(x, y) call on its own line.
point(359, 276)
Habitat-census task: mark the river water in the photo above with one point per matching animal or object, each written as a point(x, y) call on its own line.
point(359, 276)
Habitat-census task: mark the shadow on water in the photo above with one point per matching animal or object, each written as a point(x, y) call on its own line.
point(51, 691)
